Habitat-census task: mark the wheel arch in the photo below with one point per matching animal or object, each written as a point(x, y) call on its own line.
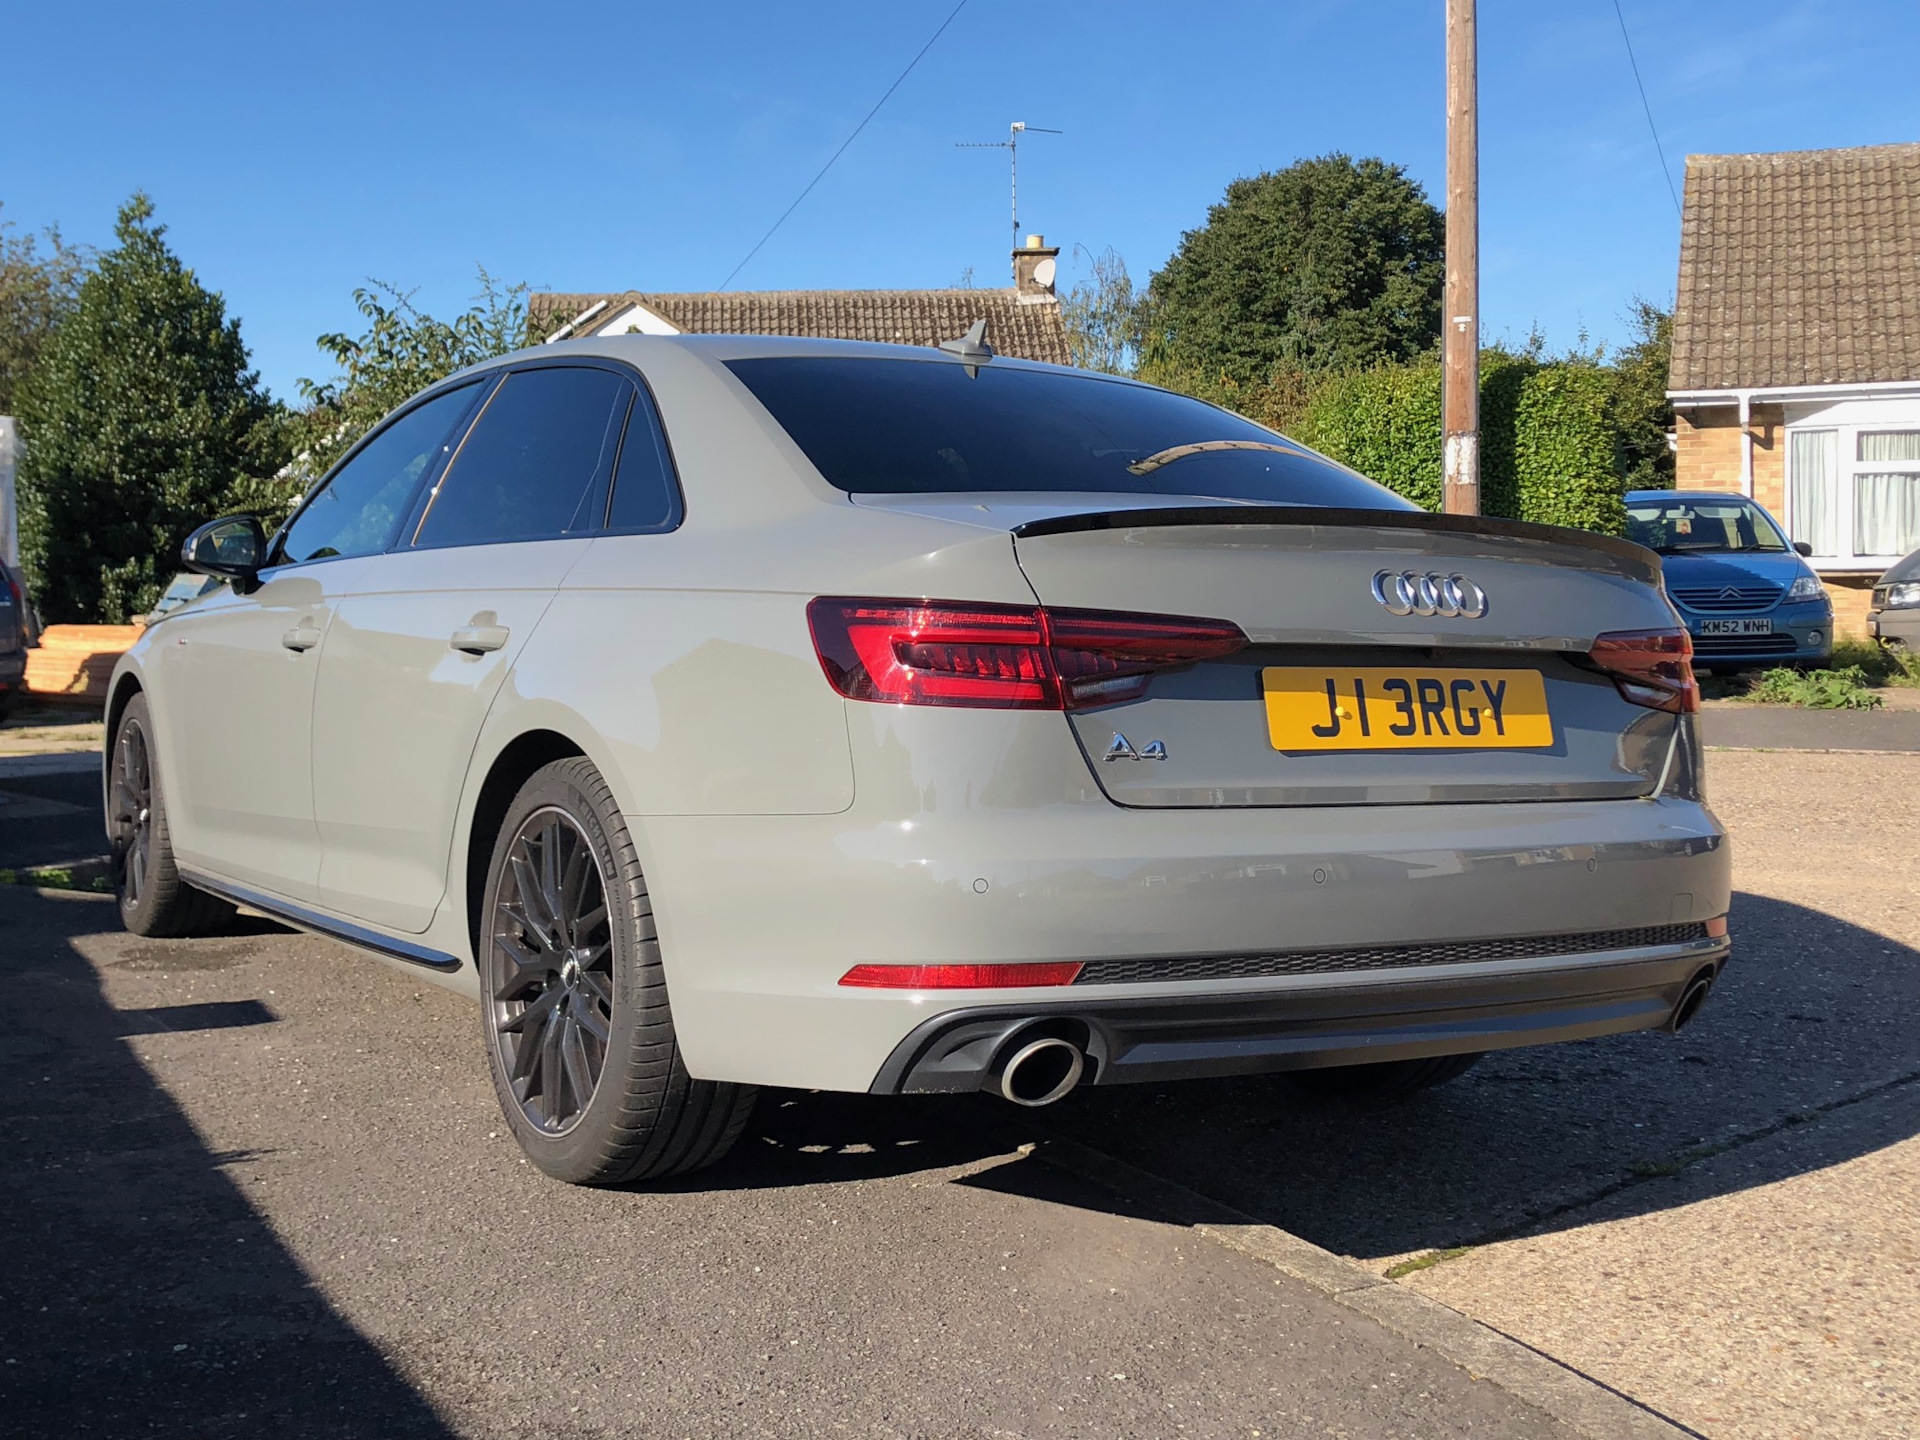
point(120, 694)
point(511, 768)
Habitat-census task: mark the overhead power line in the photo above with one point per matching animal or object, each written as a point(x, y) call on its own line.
point(844, 143)
point(1641, 86)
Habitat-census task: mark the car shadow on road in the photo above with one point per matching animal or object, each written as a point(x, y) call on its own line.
point(140, 1292)
point(1813, 1016)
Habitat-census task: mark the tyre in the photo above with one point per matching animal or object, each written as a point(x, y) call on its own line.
point(1383, 1082)
point(154, 900)
point(579, 1035)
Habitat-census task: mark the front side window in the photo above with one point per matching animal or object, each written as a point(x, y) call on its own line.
point(926, 426)
point(1676, 525)
point(534, 462)
point(360, 509)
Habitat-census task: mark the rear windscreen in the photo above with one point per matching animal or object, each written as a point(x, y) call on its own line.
point(906, 427)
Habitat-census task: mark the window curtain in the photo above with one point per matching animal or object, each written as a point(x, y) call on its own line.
point(1813, 508)
point(1890, 445)
point(1886, 512)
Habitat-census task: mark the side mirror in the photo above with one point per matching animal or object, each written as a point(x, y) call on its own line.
point(1801, 547)
point(231, 548)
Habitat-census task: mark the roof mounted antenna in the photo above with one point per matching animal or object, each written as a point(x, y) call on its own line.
point(971, 347)
point(1012, 146)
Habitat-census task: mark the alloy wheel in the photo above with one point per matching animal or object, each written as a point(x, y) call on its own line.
point(133, 811)
point(550, 972)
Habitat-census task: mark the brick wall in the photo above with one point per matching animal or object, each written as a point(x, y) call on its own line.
point(1708, 455)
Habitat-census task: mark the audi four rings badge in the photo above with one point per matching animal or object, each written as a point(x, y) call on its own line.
point(1408, 592)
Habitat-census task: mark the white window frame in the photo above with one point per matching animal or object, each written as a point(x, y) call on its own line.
point(1847, 442)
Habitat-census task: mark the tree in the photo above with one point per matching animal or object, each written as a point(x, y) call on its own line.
point(1641, 413)
point(1103, 317)
point(141, 419)
point(401, 352)
point(37, 291)
point(1331, 264)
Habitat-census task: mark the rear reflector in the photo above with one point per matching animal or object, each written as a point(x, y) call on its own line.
point(961, 977)
point(1650, 667)
point(1003, 657)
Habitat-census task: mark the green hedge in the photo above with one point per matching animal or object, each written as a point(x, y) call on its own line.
point(1547, 442)
point(1565, 450)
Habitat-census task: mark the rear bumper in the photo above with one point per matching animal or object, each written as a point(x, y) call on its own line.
point(993, 849)
point(1432, 1012)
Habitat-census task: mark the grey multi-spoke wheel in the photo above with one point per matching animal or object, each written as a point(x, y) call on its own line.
point(553, 947)
point(154, 900)
point(574, 999)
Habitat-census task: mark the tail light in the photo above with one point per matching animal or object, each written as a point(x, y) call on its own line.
point(1650, 667)
point(962, 977)
point(1003, 657)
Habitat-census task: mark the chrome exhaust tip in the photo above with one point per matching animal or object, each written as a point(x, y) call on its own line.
point(1041, 1072)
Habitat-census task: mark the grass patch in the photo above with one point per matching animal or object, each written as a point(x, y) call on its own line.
point(91, 879)
point(1426, 1261)
point(1842, 689)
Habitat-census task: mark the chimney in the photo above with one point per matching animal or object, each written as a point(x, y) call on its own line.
point(1034, 264)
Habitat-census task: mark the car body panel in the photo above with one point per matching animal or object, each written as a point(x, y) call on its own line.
point(398, 708)
point(1302, 591)
point(233, 708)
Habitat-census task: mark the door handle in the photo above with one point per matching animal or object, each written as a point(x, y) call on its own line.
point(478, 639)
point(301, 637)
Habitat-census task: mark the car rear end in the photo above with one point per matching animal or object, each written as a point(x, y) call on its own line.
point(1240, 788)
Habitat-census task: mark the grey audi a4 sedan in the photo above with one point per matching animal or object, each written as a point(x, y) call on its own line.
point(724, 712)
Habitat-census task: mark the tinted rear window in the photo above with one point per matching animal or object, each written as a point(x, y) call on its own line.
point(926, 427)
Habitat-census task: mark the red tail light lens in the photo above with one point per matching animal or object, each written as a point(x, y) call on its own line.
point(1003, 657)
point(961, 977)
point(1650, 667)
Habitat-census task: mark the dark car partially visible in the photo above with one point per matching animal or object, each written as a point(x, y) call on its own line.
point(16, 634)
point(1894, 618)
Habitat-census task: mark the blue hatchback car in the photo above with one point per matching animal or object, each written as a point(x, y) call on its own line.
point(1746, 593)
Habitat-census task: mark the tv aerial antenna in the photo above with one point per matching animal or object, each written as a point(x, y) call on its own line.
point(1012, 146)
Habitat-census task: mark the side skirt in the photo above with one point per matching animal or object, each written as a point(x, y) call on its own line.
point(341, 930)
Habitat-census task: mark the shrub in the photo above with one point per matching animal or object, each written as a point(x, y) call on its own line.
point(1843, 689)
point(1565, 453)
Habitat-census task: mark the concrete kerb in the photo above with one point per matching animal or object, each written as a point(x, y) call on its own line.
point(1570, 1396)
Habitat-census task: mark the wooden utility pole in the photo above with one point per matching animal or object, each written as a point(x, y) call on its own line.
point(1460, 325)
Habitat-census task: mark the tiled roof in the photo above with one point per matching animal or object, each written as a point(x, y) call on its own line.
point(1800, 268)
point(1029, 329)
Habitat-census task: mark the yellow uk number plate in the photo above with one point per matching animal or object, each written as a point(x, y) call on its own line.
point(1313, 707)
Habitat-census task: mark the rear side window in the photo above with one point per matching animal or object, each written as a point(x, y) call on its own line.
point(925, 426)
point(646, 496)
point(534, 462)
point(360, 510)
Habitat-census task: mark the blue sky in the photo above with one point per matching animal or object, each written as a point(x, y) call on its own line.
point(296, 149)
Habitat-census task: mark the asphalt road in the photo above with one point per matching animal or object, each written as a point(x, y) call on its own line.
point(49, 809)
point(257, 1185)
